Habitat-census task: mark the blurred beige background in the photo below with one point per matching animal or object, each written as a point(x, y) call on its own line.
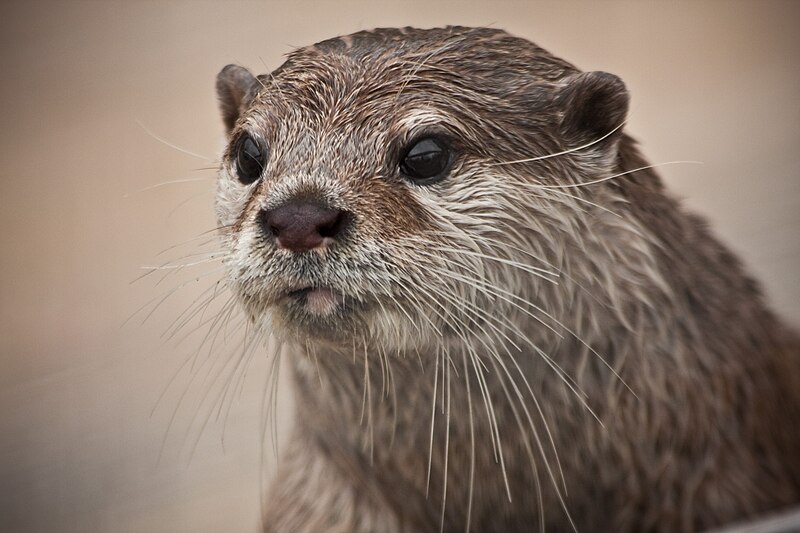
point(88, 88)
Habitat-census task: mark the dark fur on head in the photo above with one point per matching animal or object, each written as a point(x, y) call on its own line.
point(541, 339)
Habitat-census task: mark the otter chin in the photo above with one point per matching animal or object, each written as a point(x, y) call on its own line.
point(499, 319)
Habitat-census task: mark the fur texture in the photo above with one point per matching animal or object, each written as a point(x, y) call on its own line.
point(542, 340)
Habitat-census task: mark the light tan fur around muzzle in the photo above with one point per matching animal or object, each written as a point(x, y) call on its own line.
point(541, 340)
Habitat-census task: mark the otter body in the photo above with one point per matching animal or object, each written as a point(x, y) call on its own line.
point(500, 321)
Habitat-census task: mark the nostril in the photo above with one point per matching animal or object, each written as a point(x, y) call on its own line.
point(267, 223)
point(336, 226)
point(303, 226)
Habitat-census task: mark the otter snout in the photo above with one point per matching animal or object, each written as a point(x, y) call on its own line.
point(302, 226)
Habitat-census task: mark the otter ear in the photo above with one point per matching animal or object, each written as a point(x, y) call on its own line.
point(594, 107)
point(235, 90)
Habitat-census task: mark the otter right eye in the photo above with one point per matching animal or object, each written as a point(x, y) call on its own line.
point(250, 160)
point(426, 161)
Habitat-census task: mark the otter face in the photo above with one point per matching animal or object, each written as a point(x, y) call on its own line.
point(365, 193)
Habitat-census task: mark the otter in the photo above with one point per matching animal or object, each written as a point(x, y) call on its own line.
point(500, 321)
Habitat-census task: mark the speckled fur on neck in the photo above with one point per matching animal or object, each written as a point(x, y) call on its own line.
point(519, 351)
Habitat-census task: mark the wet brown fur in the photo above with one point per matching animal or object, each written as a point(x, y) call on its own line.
point(671, 393)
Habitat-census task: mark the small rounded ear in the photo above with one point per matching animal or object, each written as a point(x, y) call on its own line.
point(594, 106)
point(235, 89)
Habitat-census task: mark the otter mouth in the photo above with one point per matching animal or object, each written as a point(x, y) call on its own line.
point(316, 301)
point(315, 312)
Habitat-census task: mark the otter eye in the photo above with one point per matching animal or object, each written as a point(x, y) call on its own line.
point(426, 161)
point(250, 160)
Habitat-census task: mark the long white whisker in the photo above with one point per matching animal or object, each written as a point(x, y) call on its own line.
point(607, 178)
point(173, 146)
point(558, 154)
point(174, 182)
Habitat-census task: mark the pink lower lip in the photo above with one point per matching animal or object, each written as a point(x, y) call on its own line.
point(322, 300)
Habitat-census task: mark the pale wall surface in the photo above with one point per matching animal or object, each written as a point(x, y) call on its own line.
point(81, 424)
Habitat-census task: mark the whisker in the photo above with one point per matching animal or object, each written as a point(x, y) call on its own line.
point(174, 182)
point(446, 376)
point(173, 146)
point(209, 256)
point(433, 424)
point(201, 235)
point(471, 445)
point(538, 272)
point(607, 178)
point(559, 154)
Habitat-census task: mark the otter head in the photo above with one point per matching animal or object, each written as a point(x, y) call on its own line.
point(396, 186)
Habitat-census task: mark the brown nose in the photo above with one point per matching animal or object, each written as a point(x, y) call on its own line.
point(300, 227)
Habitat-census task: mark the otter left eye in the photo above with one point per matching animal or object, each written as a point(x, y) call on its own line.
point(426, 161)
point(250, 160)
